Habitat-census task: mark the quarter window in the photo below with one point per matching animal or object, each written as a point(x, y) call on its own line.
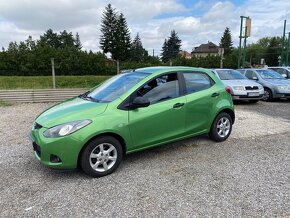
point(161, 88)
point(196, 82)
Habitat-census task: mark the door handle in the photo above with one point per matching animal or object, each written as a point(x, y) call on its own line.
point(215, 94)
point(177, 105)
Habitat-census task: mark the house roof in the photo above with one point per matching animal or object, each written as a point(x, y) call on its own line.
point(206, 48)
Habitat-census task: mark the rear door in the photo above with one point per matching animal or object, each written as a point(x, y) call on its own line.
point(201, 98)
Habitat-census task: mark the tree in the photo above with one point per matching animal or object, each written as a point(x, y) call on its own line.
point(171, 47)
point(226, 42)
point(78, 43)
point(122, 42)
point(138, 53)
point(50, 38)
point(66, 39)
point(108, 28)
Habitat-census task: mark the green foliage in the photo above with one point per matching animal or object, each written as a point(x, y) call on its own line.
point(5, 104)
point(32, 58)
point(267, 48)
point(206, 62)
point(171, 47)
point(42, 82)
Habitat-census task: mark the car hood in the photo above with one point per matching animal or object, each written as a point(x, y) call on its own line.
point(70, 110)
point(242, 82)
point(278, 81)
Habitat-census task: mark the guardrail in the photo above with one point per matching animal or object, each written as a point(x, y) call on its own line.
point(39, 95)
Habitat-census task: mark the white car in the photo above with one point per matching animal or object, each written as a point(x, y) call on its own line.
point(241, 87)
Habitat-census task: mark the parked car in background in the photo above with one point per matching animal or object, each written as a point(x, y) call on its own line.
point(283, 71)
point(275, 85)
point(241, 87)
point(130, 112)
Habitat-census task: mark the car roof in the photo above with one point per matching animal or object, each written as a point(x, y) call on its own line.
point(164, 69)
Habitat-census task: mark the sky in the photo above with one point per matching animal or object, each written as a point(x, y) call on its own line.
point(196, 22)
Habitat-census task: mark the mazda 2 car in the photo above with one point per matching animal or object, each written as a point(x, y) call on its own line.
point(241, 87)
point(130, 112)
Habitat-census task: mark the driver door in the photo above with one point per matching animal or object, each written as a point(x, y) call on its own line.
point(164, 118)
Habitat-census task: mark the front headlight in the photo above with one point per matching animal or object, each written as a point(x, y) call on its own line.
point(66, 128)
point(239, 88)
point(283, 87)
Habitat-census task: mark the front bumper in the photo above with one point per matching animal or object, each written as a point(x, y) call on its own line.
point(247, 97)
point(281, 95)
point(57, 153)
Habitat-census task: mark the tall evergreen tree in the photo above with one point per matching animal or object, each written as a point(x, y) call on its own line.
point(108, 28)
point(66, 39)
point(164, 52)
point(138, 53)
point(171, 47)
point(78, 43)
point(50, 38)
point(226, 42)
point(122, 42)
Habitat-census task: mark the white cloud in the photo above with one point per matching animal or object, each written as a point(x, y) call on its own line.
point(204, 21)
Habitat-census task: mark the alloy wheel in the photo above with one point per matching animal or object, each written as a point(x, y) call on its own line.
point(103, 157)
point(223, 127)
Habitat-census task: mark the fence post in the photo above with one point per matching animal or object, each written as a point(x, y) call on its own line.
point(53, 72)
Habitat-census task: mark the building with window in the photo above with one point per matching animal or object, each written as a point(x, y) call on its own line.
point(206, 49)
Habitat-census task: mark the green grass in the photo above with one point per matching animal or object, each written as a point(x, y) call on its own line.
point(45, 82)
point(5, 104)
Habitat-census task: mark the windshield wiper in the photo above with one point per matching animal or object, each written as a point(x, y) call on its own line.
point(88, 98)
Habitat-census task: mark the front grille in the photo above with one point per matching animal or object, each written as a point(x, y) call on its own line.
point(252, 87)
point(37, 149)
point(37, 126)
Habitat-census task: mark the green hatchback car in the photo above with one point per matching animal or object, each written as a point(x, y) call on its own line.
point(130, 112)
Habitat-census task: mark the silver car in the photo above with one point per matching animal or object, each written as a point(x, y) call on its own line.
point(275, 85)
point(283, 71)
point(241, 87)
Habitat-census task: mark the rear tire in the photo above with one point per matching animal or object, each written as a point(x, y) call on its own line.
point(221, 127)
point(101, 156)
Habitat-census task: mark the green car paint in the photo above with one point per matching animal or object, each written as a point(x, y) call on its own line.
point(136, 129)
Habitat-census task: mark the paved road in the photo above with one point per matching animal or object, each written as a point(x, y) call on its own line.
point(245, 176)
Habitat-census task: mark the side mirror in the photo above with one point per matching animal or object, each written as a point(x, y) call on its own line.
point(284, 75)
point(255, 78)
point(140, 102)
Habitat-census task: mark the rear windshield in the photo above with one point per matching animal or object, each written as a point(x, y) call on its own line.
point(230, 75)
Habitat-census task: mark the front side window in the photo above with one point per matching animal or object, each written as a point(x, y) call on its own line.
point(115, 87)
point(161, 88)
point(196, 82)
point(250, 74)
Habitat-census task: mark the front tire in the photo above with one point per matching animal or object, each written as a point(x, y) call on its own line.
point(101, 156)
point(268, 95)
point(221, 127)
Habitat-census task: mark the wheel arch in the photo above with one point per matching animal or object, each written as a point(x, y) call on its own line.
point(112, 134)
point(229, 112)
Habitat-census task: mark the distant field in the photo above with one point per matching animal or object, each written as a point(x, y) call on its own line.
point(45, 82)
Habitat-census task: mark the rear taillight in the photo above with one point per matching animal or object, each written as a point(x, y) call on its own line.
point(228, 89)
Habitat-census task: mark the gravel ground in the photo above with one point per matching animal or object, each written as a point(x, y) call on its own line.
point(246, 176)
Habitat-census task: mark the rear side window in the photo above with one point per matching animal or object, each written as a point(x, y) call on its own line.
point(195, 82)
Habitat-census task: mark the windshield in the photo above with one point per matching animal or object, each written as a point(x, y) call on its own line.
point(269, 74)
point(230, 75)
point(114, 87)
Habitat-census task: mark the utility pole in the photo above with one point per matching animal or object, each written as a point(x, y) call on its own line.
point(153, 52)
point(243, 35)
point(283, 45)
point(221, 51)
point(287, 50)
point(53, 72)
